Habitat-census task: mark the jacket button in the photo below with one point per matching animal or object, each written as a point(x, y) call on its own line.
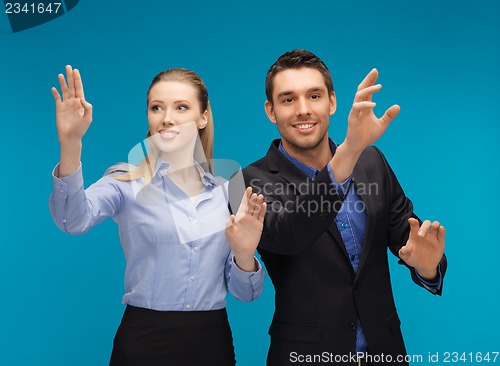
point(353, 325)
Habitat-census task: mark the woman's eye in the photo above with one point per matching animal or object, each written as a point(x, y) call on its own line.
point(182, 107)
point(155, 108)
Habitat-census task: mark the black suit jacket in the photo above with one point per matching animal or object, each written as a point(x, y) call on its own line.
point(319, 297)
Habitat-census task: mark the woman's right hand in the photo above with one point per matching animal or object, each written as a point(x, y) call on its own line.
point(73, 112)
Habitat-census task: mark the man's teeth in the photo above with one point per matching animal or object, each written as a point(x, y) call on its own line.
point(303, 127)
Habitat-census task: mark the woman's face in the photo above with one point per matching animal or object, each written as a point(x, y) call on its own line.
point(174, 116)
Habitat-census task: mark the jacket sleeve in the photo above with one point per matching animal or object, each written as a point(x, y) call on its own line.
point(400, 210)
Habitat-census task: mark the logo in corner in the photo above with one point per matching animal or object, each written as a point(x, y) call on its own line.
point(29, 14)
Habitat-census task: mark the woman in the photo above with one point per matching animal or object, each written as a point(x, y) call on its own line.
point(171, 214)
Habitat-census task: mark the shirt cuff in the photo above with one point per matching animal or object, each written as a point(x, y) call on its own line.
point(69, 184)
point(432, 286)
point(248, 277)
point(341, 187)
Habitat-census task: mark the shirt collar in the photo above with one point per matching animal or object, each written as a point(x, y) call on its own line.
point(304, 168)
point(206, 178)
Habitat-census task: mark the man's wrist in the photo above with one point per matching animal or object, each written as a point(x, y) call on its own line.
point(343, 162)
point(428, 275)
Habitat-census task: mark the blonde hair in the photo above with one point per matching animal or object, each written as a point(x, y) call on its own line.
point(203, 155)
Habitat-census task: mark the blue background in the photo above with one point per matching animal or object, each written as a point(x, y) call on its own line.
point(60, 301)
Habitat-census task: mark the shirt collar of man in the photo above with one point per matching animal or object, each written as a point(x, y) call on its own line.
point(304, 168)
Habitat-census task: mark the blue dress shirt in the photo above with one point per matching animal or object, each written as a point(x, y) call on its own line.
point(351, 223)
point(177, 256)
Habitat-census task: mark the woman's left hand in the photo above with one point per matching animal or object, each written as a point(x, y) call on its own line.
point(244, 230)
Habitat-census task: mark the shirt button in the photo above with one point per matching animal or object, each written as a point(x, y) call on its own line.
point(188, 306)
point(195, 249)
point(343, 224)
point(195, 221)
point(63, 220)
point(193, 278)
point(353, 257)
point(61, 191)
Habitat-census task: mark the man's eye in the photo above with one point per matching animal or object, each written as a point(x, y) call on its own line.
point(315, 96)
point(288, 100)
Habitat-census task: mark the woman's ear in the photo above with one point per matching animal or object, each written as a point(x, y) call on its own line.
point(202, 123)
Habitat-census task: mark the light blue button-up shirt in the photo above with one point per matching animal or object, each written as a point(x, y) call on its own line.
point(177, 256)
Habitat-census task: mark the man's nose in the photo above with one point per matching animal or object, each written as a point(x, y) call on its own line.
point(303, 107)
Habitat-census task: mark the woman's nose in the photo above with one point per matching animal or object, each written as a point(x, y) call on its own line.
point(167, 119)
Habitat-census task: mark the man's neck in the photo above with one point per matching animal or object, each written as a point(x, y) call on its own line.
point(316, 157)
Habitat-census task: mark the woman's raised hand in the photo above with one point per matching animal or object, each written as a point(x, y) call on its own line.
point(73, 112)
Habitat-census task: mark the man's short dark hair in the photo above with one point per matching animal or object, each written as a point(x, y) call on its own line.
point(297, 59)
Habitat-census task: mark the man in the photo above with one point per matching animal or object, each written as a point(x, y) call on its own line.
point(332, 214)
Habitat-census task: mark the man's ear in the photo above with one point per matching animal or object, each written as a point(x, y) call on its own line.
point(269, 108)
point(333, 103)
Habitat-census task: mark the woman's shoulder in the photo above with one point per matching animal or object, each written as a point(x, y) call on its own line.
point(120, 169)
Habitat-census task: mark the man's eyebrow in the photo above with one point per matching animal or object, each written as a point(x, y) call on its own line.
point(316, 89)
point(287, 93)
point(284, 93)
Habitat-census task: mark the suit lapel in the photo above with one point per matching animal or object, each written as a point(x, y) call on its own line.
point(285, 169)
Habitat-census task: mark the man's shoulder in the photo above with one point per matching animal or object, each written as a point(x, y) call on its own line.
point(371, 155)
point(256, 166)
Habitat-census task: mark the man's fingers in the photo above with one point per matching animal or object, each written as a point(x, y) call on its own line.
point(405, 252)
point(78, 84)
point(435, 225)
point(414, 224)
point(390, 114)
point(369, 79)
point(367, 93)
point(424, 229)
point(441, 234)
point(359, 106)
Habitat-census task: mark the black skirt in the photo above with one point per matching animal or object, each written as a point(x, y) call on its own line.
point(178, 338)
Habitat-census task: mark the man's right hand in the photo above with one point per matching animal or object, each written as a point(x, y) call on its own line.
point(364, 128)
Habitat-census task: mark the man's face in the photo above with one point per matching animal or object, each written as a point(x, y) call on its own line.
point(301, 108)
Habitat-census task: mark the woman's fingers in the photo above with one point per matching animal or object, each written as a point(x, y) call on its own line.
point(255, 205)
point(78, 84)
point(64, 86)
point(71, 81)
point(56, 95)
